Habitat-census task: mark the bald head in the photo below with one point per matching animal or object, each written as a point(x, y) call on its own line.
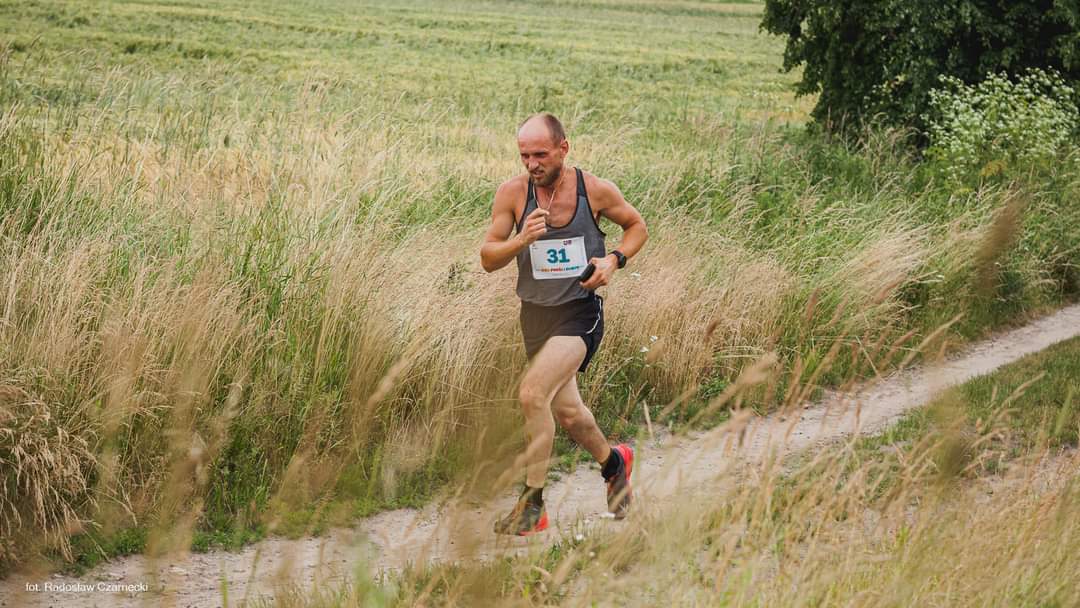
point(543, 124)
point(543, 146)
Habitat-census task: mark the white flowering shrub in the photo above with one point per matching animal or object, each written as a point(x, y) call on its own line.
point(999, 124)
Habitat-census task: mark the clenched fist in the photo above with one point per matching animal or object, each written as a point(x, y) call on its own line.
point(535, 226)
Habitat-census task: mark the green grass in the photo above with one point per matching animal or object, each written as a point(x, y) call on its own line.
point(488, 59)
point(1031, 401)
point(224, 225)
point(806, 519)
point(1045, 410)
point(91, 549)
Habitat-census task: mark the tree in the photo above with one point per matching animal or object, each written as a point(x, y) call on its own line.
point(881, 58)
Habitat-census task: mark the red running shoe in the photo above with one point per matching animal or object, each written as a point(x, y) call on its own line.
point(524, 520)
point(619, 494)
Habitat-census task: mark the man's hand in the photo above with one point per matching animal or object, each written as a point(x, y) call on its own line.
point(535, 226)
point(605, 267)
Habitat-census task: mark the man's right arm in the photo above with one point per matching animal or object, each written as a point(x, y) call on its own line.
point(499, 247)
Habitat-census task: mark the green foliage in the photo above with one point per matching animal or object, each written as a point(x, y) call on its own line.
point(1040, 392)
point(989, 128)
point(92, 548)
point(885, 56)
point(1032, 402)
point(228, 538)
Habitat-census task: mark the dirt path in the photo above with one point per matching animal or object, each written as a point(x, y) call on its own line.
point(665, 468)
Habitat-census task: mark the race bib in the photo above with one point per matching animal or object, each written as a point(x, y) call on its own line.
point(558, 258)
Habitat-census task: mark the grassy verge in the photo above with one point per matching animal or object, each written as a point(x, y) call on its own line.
point(241, 286)
point(970, 500)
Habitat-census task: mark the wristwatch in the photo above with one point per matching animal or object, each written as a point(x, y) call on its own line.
point(619, 255)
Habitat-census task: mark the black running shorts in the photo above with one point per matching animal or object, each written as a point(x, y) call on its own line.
point(583, 317)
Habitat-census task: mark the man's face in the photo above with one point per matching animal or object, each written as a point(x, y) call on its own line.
point(543, 159)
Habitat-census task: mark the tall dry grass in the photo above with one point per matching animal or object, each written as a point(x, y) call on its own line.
point(944, 510)
point(216, 319)
point(823, 535)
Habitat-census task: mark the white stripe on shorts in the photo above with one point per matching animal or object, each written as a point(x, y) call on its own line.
point(597, 318)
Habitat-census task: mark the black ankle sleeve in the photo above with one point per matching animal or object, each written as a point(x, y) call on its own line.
point(534, 496)
point(612, 465)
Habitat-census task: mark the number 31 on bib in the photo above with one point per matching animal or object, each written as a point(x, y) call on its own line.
point(558, 258)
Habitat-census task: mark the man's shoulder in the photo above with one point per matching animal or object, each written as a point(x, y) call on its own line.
point(509, 192)
point(514, 185)
point(603, 190)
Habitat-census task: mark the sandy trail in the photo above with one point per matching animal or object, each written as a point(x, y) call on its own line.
point(665, 468)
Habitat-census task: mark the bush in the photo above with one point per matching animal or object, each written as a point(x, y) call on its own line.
point(999, 124)
point(881, 58)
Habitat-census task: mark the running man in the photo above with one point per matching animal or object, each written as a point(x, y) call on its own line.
point(554, 211)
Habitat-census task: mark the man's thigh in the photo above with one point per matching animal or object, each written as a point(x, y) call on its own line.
point(554, 364)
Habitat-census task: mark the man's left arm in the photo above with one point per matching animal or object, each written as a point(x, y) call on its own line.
point(611, 204)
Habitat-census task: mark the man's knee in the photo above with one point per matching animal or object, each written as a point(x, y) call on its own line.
point(567, 417)
point(533, 399)
point(574, 419)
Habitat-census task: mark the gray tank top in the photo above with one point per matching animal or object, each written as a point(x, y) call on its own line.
point(548, 269)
